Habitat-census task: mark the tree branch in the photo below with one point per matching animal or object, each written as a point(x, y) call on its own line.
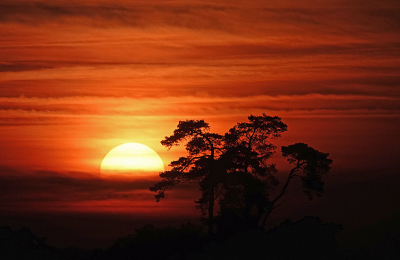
point(280, 195)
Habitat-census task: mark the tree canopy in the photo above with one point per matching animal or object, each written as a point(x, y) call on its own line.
point(234, 169)
point(311, 163)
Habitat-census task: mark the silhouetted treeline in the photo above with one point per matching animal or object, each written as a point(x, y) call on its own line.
point(308, 238)
point(23, 244)
point(159, 243)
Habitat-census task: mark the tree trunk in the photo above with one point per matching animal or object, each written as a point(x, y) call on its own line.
point(266, 215)
point(211, 212)
point(280, 195)
point(211, 192)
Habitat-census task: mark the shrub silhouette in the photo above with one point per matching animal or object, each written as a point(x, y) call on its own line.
point(23, 244)
point(308, 238)
point(158, 243)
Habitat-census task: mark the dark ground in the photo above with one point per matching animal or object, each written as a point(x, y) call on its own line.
point(308, 238)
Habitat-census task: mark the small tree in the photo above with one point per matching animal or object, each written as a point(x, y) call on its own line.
point(198, 166)
point(309, 165)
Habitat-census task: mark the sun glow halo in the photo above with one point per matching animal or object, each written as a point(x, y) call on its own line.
point(131, 160)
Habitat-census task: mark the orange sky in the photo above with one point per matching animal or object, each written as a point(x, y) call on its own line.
point(78, 78)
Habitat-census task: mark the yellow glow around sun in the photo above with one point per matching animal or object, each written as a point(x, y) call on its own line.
point(131, 160)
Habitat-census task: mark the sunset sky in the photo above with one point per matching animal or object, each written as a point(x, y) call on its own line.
point(78, 78)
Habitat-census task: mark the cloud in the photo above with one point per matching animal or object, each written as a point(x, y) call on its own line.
point(174, 48)
point(23, 66)
point(50, 191)
point(254, 18)
point(68, 108)
point(185, 15)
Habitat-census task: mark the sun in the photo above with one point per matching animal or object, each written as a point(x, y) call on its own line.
point(131, 160)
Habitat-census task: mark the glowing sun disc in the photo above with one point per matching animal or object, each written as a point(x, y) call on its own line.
point(131, 160)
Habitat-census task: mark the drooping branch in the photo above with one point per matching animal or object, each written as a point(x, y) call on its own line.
point(313, 163)
point(171, 178)
point(161, 187)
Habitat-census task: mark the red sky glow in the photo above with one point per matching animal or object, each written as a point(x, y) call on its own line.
point(78, 78)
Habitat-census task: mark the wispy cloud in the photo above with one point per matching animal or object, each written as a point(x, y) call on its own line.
point(76, 191)
point(176, 48)
point(70, 107)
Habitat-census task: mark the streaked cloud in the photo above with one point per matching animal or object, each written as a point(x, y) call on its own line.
point(78, 191)
point(69, 107)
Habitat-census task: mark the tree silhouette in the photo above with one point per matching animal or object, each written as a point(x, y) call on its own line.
point(248, 174)
point(23, 244)
point(235, 170)
point(309, 166)
point(199, 165)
